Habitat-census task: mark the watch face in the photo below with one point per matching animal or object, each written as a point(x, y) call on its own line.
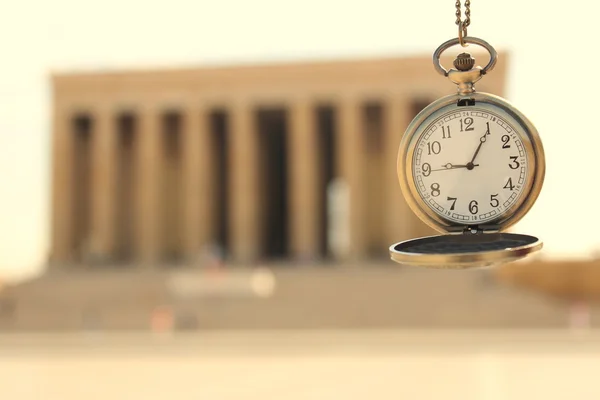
point(472, 164)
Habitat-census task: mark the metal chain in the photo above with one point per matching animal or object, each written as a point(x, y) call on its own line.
point(462, 25)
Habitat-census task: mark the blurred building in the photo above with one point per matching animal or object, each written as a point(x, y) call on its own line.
point(293, 161)
point(280, 163)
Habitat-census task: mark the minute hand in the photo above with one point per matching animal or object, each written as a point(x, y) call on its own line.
point(448, 166)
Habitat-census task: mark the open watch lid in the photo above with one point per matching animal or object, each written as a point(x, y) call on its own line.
point(467, 250)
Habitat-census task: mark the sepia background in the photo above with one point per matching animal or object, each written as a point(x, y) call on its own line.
point(281, 288)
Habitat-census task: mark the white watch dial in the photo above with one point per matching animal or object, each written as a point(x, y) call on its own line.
point(470, 166)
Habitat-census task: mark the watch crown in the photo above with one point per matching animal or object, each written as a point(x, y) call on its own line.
point(464, 62)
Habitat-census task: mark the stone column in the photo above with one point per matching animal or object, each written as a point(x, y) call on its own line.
point(244, 190)
point(350, 146)
point(148, 182)
point(62, 185)
point(104, 162)
point(401, 223)
point(303, 187)
point(197, 181)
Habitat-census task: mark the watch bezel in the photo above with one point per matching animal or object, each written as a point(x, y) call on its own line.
point(533, 148)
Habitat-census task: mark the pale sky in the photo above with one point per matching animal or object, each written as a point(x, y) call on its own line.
point(551, 79)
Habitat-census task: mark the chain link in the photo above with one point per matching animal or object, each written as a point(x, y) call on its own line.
point(462, 25)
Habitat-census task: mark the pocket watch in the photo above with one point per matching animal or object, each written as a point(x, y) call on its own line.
point(470, 165)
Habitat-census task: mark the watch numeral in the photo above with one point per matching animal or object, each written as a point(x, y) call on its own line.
point(467, 124)
point(435, 189)
point(505, 140)
point(509, 185)
point(494, 201)
point(514, 164)
point(453, 200)
point(426, 169)
point(446, 132)
point(473, 207)
point(434, 147)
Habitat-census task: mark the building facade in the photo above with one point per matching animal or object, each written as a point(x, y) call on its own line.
point(285, 161)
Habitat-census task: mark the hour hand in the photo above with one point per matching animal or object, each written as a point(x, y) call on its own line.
point(481, 142)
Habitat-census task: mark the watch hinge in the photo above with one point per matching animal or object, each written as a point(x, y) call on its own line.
point(478, 229)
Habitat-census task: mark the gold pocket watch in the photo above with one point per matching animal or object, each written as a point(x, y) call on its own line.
point(470, 165)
